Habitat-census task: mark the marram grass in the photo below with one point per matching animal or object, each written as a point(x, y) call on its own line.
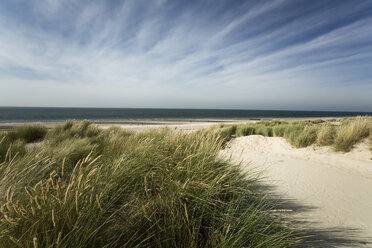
point(341, 134)
point(326, 135)
point(83, 187)
point(351, 132)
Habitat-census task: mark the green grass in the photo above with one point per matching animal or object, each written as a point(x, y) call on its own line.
point(72, 129)
point(28, 133)
point(225, 132)
point(264, 130)
point(304, 137)
point(9, 148)
point(84, 187)
point(244, 130)
point(351, 132)
point(326, 135)
point(305, 133)
point(12, 143)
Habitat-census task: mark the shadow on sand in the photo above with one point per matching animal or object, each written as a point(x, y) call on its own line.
point(291, 210)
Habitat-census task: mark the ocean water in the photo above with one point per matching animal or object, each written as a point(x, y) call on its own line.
point(36, 114)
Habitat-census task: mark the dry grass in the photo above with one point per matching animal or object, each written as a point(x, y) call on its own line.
point(28, 133)
point(350, 132)
point(306, 137)
point(305, 133)
point(89, 188)
point(326, 135)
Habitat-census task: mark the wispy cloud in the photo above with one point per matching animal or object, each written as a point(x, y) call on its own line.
point(282, 54)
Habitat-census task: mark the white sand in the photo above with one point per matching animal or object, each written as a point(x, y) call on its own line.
point(332, 191)
point(185, 126)
point(336, 188)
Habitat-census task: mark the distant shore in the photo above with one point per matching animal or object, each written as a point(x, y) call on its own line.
point(147, 123)
point(156, 116)
point(317, 171)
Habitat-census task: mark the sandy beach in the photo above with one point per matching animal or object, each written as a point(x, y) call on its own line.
point(186, 124)
point(140, 125)
point(326, 192)
point(330, 192)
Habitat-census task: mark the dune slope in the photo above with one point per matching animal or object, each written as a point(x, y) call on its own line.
point(336, 188)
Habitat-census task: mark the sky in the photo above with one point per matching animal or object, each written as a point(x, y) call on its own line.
point(229, 54)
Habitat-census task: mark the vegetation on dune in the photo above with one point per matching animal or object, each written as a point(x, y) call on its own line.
point(342, 134)
point(325, 136)
point(85, 187)
point(225, 132)
point(280, 130)
point(13, 142)
point(317, 121)
point(351, 132)
point(305, 137)
point(9, 147)
point(72, 129)
point(244, 130)
point(264, 130)
point(28, 133)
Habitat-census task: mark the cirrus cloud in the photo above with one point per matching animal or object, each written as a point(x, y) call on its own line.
point(283, 54)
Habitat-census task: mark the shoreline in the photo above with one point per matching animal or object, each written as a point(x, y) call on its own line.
point(4, 126)
point(319, 189)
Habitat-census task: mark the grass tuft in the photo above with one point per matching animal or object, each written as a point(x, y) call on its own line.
point(245, 130)
point(265, 131)
point(280, 130)
point(10, 148)
point(326, 135)
point(342, 133)
point(350, 132)
point(84, 187)
point(72, 129)
point(28, 133)
point(307, 137)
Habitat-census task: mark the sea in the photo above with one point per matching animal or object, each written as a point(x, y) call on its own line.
point(43, 114)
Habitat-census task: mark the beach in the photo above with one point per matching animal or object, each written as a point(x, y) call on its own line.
point(324, 192)
point(186, 124)
point(139, 125)
point(334, 189)
point(330, 191)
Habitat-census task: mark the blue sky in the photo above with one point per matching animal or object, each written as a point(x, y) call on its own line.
point(282, 54)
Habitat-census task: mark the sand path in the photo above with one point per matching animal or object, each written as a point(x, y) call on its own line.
point(329, 192)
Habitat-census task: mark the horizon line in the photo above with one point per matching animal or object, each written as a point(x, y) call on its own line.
point(175, 108)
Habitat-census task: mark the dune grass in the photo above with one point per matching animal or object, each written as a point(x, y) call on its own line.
point(28, 133)
point(351, 132)
point(9, 147)
point(305, 133)
point(325, 136)
point(14, 141)
point(225, 132)
point(245, 130)
point(84, 187)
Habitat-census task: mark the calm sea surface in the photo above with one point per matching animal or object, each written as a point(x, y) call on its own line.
point(33, 114)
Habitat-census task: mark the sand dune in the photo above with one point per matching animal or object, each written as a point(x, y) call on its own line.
point(336, 188)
